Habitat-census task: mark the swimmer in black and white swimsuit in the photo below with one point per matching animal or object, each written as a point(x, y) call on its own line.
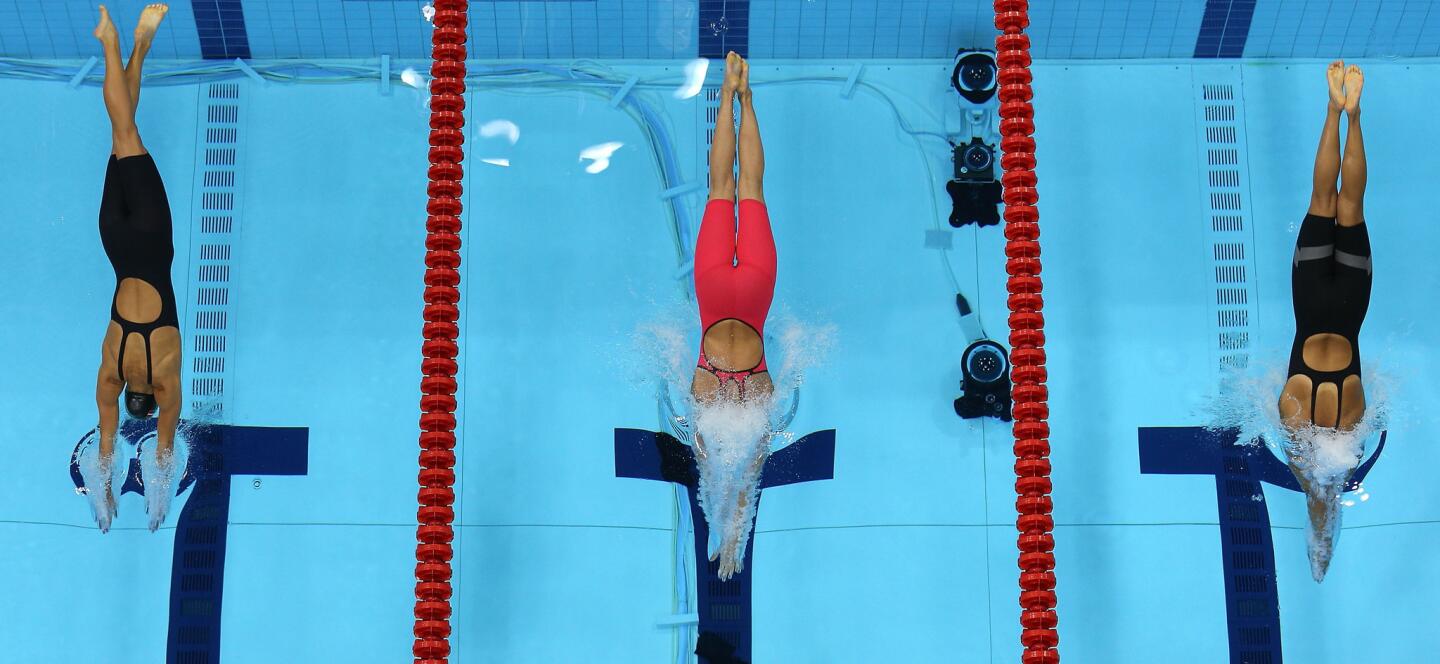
point(1331, 274)
point(141, 351)
point(1330, 284)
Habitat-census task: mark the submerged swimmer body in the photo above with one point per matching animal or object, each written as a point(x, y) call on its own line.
point(140, 355)
point(1323, 399)
point(734, 286)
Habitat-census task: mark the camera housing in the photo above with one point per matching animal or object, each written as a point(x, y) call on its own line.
point(984, 370)
point(974, 161)
point(974, 189)
point(985, 382)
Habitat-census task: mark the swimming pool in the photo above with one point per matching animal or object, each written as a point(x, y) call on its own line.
point(1171, 190)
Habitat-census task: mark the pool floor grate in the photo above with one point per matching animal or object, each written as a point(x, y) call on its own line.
point(1250, 594)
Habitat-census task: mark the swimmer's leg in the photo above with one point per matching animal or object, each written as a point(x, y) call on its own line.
point(150, 19)
point(1327, 156)
point(1351, 209)
point(722, 146)
point(752, 154)
point(124, 135)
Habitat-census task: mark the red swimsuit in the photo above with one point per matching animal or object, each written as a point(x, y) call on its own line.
point(734, 274)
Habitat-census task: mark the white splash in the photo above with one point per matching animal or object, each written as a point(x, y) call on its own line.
point(662, 352)
point(695, 71)
point(793, 347)
point(102, 479)
point(506, 128)
point(733, 443)
point(1321, 458)
point(496, 161)
point(600, 154)
point(158, 474)
point(735, 438)
point(1323, 461)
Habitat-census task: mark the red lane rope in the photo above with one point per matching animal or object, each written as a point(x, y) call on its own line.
point(442, 297)
point(1027, 337)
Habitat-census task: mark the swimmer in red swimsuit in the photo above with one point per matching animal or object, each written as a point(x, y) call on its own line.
point(734, 284)
point(734, 271)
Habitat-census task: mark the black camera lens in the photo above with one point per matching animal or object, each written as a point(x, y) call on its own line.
point(978, 74)
point(978, 157)
point(975, 76)
point(986, 365)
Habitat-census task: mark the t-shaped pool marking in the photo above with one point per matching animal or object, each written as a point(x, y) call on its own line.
point(197, 574)
point(1247, 550)
point(724, 606)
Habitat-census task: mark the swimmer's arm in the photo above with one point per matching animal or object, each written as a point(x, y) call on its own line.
point(760, 456)
point(757, 465)
point(167, 397)
point(107, 389)
point(107, 397)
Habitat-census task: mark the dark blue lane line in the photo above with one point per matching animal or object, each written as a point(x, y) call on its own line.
point(221, 26)
point(1212, 28)
point(1237, 29)
point(197, 570)
point(1247, 548)
point(724, 27)
point(1224, 28)
point(723, 608)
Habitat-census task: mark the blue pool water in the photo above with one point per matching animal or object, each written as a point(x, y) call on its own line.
point(906, 555)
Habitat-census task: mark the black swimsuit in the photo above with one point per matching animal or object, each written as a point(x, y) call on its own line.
point(135, 228)
point(1330, 286)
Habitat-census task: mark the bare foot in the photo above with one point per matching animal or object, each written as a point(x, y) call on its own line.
point(105, 31)
point(1335, 77)
point(732, 72)
point(744, 88)
point(1354, 81)
point(149, 20)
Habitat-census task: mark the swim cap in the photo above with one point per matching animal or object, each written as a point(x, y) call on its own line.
point(140, 406)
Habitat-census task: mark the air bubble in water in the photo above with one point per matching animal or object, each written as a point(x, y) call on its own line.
point(412, 78)
point(599, 156)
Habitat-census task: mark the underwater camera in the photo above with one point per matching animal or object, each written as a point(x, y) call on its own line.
point(974, 189)
point(974, 161)
point(985, 382)
point(974, 76)
point(984, 371)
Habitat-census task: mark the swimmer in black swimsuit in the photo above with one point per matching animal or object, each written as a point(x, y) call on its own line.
point(1330, 284)
point(141, 352)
